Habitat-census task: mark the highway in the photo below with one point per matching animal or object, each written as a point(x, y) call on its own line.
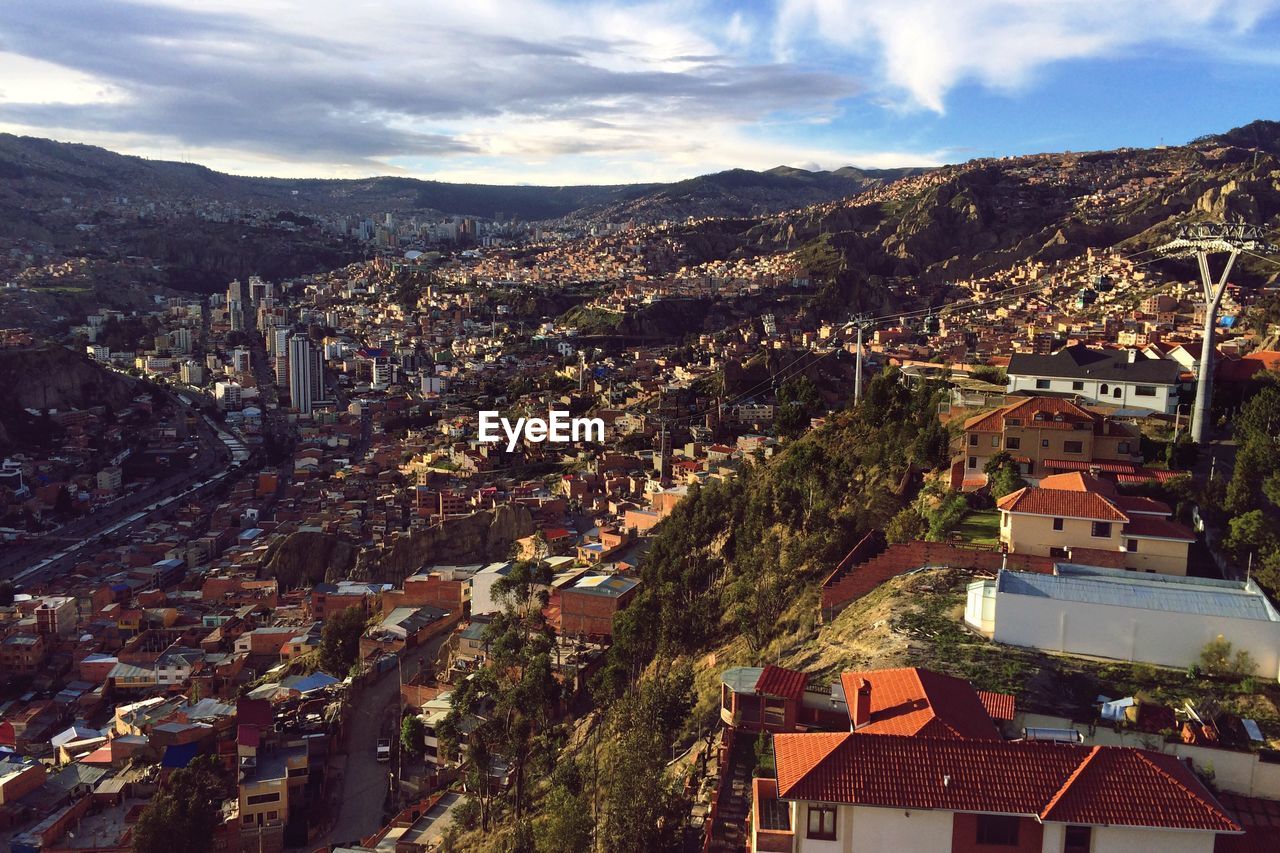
point(220, 455)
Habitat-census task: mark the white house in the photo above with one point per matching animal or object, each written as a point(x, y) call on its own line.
point(1123, 378)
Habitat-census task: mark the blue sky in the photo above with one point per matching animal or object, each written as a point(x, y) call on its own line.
point(564, 91)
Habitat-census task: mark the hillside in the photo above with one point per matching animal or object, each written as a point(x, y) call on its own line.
point(48, 376)
point(38, 173)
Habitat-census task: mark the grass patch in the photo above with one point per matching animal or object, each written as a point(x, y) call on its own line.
point(980, 527)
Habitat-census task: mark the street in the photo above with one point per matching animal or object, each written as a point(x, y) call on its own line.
point(365, 782)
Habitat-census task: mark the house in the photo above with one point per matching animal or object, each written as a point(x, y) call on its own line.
point(1110, 613)
point(850, 791)
point(1079, 518)
point(587, 608)
point(1123, 378)
point(1048, 434)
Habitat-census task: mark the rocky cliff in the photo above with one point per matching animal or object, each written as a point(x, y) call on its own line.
point(476, 538)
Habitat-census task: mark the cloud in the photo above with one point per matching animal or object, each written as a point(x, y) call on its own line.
point(331, 84)
point(925, 48)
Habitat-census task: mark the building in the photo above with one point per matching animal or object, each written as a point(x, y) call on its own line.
point(1079, 518)
point(852, 791)
point(110, 479)
point(300, 367)
point(587, 608)
point(56, 616)
point(1107, 613)
point(1047, 434)
point(23, 653)
point(1123, 378)
point(329, 599)
point(227, 395)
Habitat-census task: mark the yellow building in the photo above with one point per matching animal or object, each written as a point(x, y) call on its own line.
point(1078, 518)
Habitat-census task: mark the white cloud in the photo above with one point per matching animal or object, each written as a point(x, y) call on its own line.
point(924, 48)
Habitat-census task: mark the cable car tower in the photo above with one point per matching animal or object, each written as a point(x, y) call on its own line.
point(1200, 240)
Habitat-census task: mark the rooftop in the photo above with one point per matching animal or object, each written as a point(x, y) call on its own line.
point(1169, 593)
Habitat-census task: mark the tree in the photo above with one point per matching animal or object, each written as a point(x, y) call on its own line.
point(907, 526)
point(566, 823)
point(340, 641)
point(1216, 659)
point(798, 402)
point(1003, 475)
point(412, 732)
point(185, 813)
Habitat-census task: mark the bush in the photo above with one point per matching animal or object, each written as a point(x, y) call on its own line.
point(1216, 659)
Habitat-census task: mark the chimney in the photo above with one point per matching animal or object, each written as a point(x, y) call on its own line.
point(862, 704)
point(1133, 355)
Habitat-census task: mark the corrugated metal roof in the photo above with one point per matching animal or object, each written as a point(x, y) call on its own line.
point(1144, 591)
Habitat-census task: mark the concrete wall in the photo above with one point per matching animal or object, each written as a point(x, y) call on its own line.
point(1131, 634)
point(862, 828)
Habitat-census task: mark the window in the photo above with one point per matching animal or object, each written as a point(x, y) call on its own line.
point(1013, 422)
point(1122, 447)
point(1116, 393)
point(726, 701)
point(273, 815)
point(822, 823)
point(774, 711)
point(1042, 384)
point(1101, 530)
point(1073, 447)
point(1102, 389)
point(1078, 839)
point(1044, 442)
point(1077, 386)
point(1059, 553)
point(1144, 391)
point(997, 829)
point(258, 799)
point(1012, 443)
point(1131, 544)
point(973, 462)
point(248, 818)
point(973, 440)
point(1057, 524)
point(995, 441)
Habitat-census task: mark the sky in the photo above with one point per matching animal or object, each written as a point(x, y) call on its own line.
point(567, 91)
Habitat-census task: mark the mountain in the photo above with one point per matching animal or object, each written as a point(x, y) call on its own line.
point(39, 173)
point(742, 192)
point(924, 230)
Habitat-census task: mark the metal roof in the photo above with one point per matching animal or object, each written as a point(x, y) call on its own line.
point(1169, 593)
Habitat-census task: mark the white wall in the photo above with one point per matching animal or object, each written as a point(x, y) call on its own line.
point(1112, 839)
point(863, 828)
point(1132, 634)
point(1163, 401)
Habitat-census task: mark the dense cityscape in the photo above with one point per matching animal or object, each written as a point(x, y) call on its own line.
point(788, 510)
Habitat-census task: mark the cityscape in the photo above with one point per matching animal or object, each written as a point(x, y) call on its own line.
point(389, 471)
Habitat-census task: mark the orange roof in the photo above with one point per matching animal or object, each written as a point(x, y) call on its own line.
point(913, 701)
point(780, 682)
point(1109, 785)
point(1027, 410)
point(1078, 481)
point(1000, 706)
point(1061, 503)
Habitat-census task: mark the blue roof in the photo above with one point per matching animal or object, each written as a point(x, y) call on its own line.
point(308, 683)
point(179, 754)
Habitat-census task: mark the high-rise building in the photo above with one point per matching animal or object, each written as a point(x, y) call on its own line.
point(240, 360)
point(300, 369)
point(317, 375)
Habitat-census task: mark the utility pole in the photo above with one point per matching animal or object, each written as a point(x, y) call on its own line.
point(1200, 241)
point(862, 322)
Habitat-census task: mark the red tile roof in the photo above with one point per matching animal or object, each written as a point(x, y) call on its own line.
point(1051, 782)
point(783, 683)
point(1143, 505)
point(1027, 409)
point(1144, 526)
point(1000, 706)
point(1106, 466)
point(1062, 503)
point(912, 701)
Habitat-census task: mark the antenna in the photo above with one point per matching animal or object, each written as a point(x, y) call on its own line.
point(1200, 240)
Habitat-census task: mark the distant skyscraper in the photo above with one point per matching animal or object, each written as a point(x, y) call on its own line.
point(300, 366)
point(317, 376)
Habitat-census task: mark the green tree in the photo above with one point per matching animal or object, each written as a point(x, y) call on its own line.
point(566, 823)
point(186, 811)
point(798, 403)
point(907, 526)
point(1003, 475)
point(340, 641)
point(412, 732)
